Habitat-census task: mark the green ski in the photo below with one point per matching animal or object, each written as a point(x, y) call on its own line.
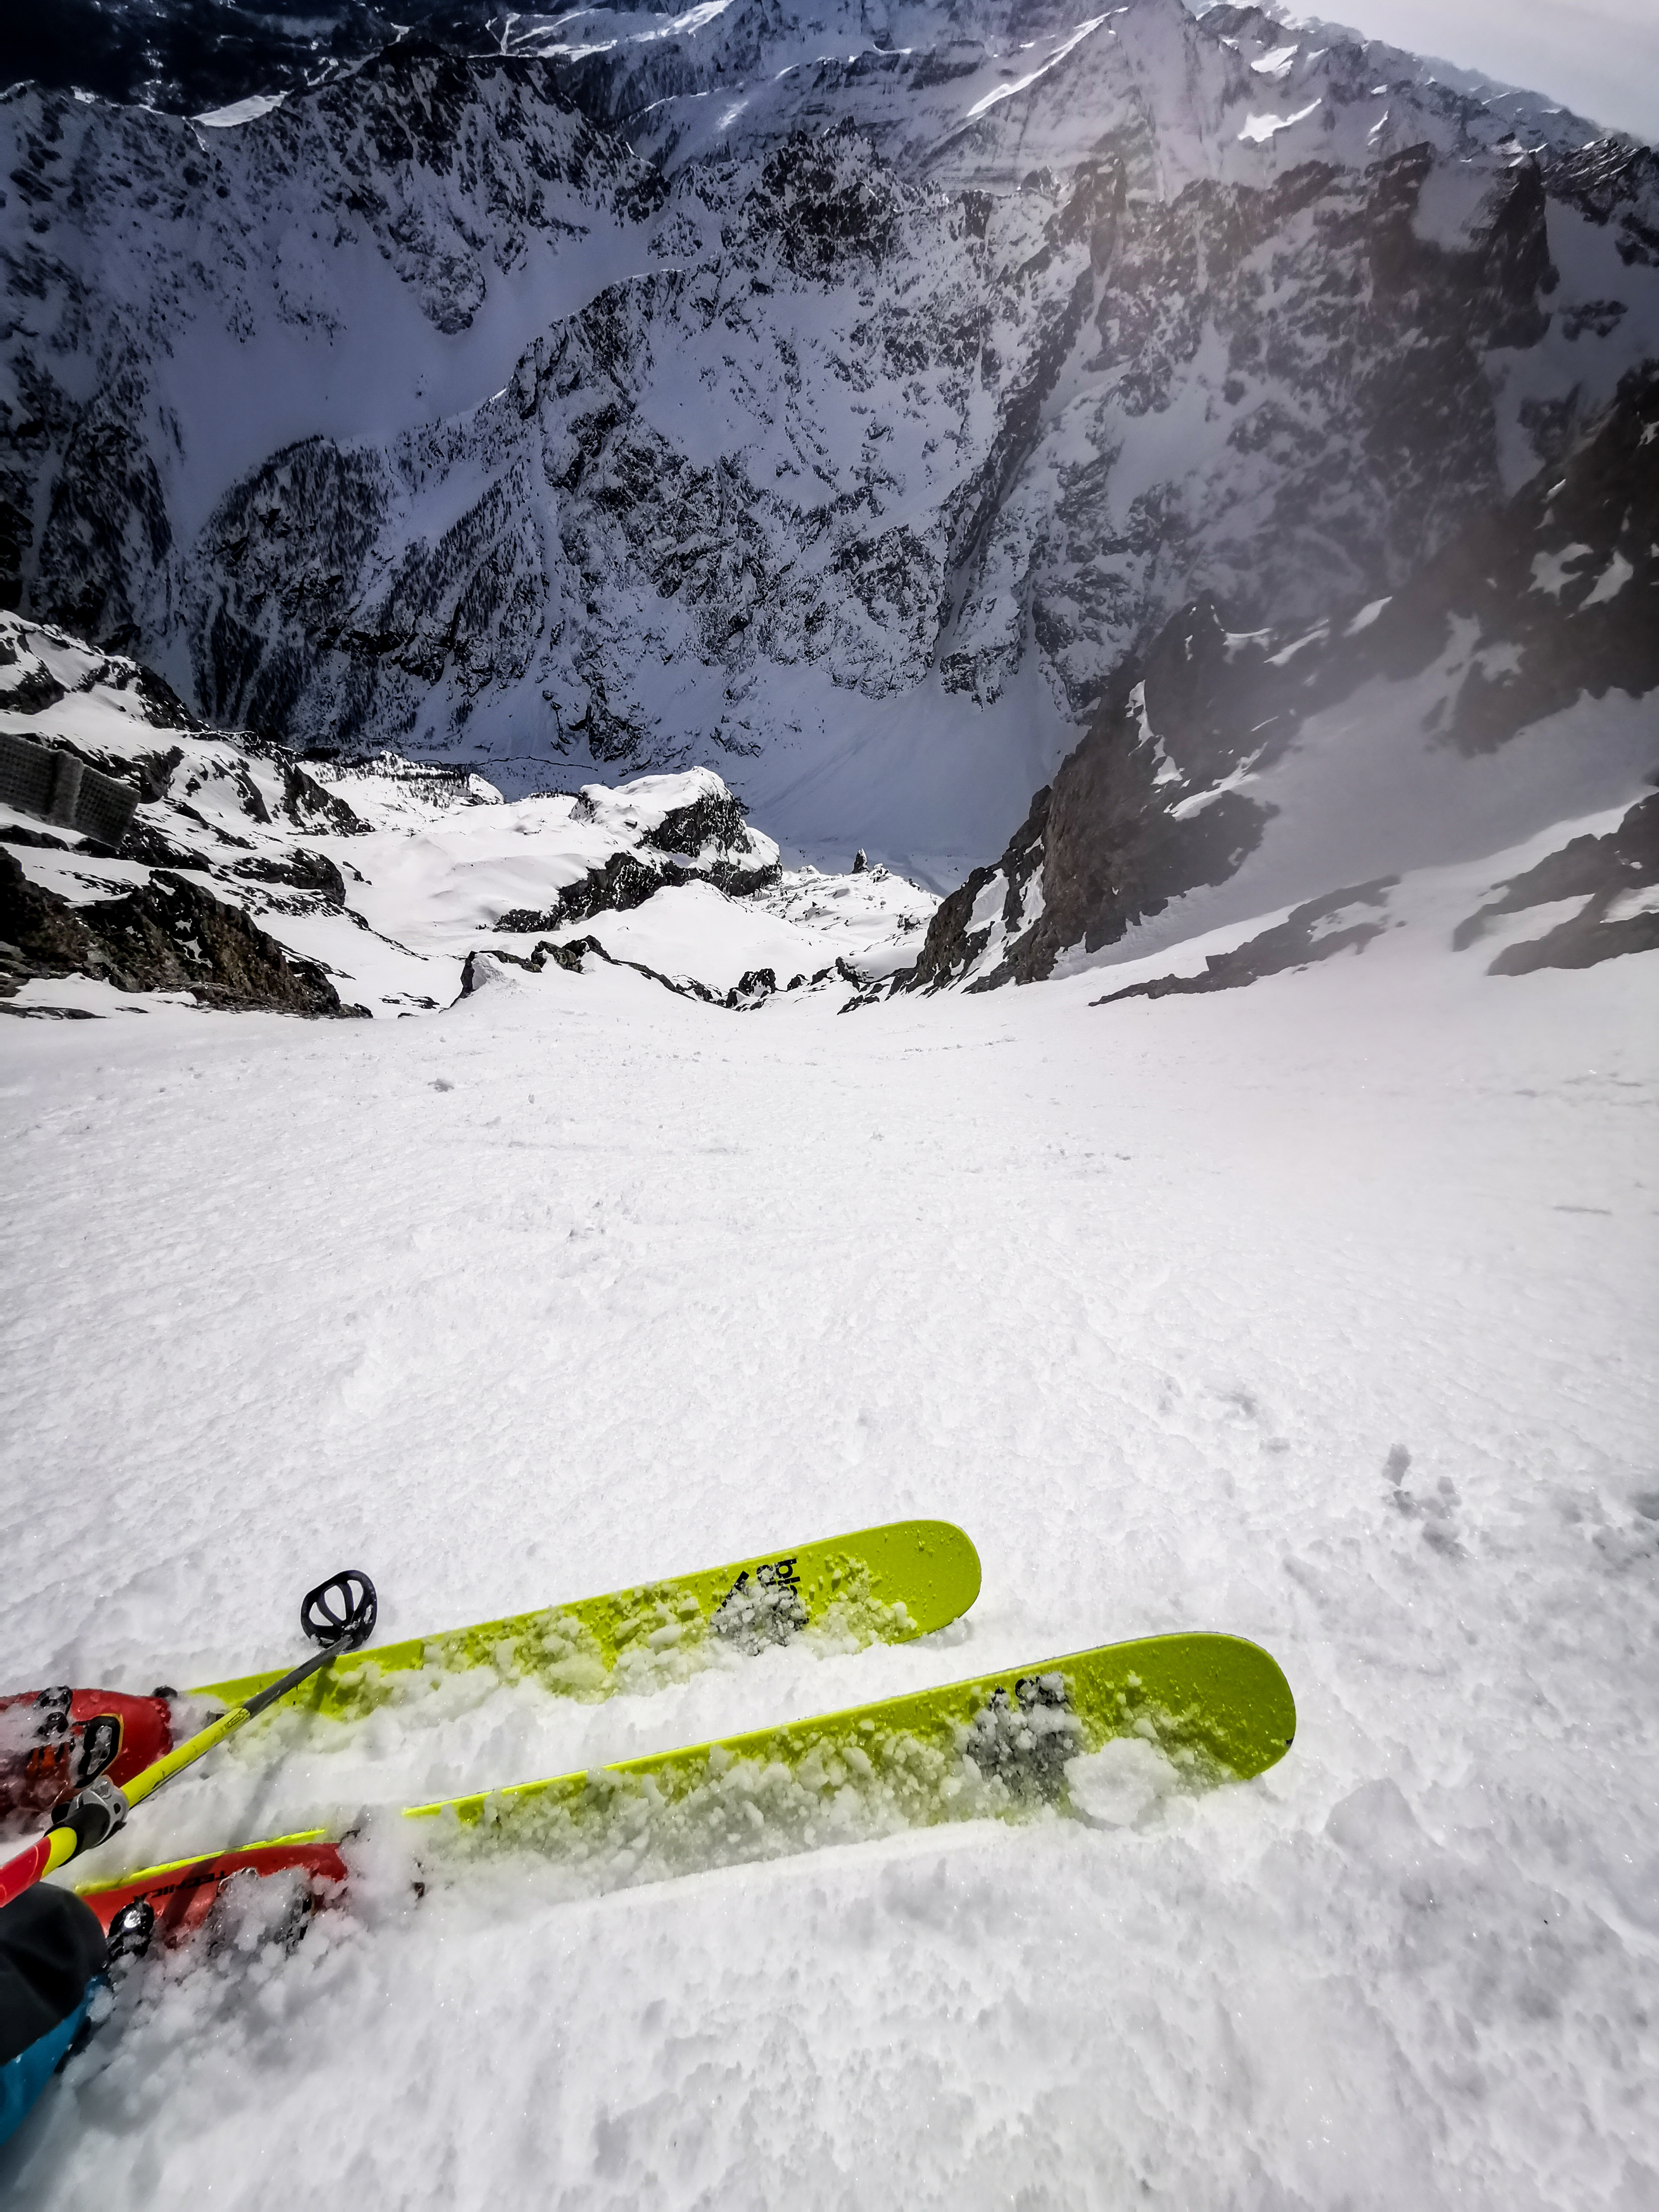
point(887, 1584)
point(1215, 1708)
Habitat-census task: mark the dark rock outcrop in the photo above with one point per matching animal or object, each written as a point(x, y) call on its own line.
point(751, 990)
point(148, 842)
point(193, 55)
point(41, 841)
point(1599, 871)
point(710, 820)
point(167, 935)
point(1583, 942)
point(1298, 941)
point(301, 871)
point(570, 958)
point(625, 881)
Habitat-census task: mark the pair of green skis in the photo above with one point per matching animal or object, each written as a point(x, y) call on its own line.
point(1219, 1708)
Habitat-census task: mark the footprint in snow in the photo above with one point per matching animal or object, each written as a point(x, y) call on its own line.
point(1435, 1509)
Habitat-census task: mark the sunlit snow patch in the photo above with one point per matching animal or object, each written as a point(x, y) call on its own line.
point(241, 111)
point(1553, 572)
point(1367, 615)
point(1023, 84)
point(1259, 129)
point(1611, 581)
point(1279, 62)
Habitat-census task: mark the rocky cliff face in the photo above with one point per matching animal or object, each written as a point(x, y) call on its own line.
point(185, 56)
point(1508, 685)
point(842, 398)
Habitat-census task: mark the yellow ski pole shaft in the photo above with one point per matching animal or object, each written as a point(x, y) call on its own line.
point(94, 1814)
point(339, 1612)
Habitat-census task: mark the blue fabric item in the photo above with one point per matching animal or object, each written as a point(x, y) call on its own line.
point(25, 2077)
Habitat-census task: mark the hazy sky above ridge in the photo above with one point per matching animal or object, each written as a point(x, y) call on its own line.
point(1599, 56)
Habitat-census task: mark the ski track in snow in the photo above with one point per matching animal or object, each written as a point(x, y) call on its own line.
point(1322, 1313)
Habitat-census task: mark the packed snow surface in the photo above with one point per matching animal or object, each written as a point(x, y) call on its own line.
point(1322, 1312)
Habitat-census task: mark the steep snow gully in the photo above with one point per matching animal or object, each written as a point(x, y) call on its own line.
point(770, 768)
point(1320, 1311)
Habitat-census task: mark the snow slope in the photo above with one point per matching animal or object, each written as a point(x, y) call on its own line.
point(1322, 1312)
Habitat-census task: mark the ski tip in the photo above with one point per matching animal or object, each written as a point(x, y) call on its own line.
point(930, 1566)
point(1240, 1688)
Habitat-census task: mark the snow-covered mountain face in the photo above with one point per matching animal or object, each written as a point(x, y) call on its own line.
point(183, 56)
point(1508, 687)
point(839, 399)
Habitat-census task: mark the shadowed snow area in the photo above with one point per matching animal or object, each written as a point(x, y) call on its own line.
point(1321, 1312)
